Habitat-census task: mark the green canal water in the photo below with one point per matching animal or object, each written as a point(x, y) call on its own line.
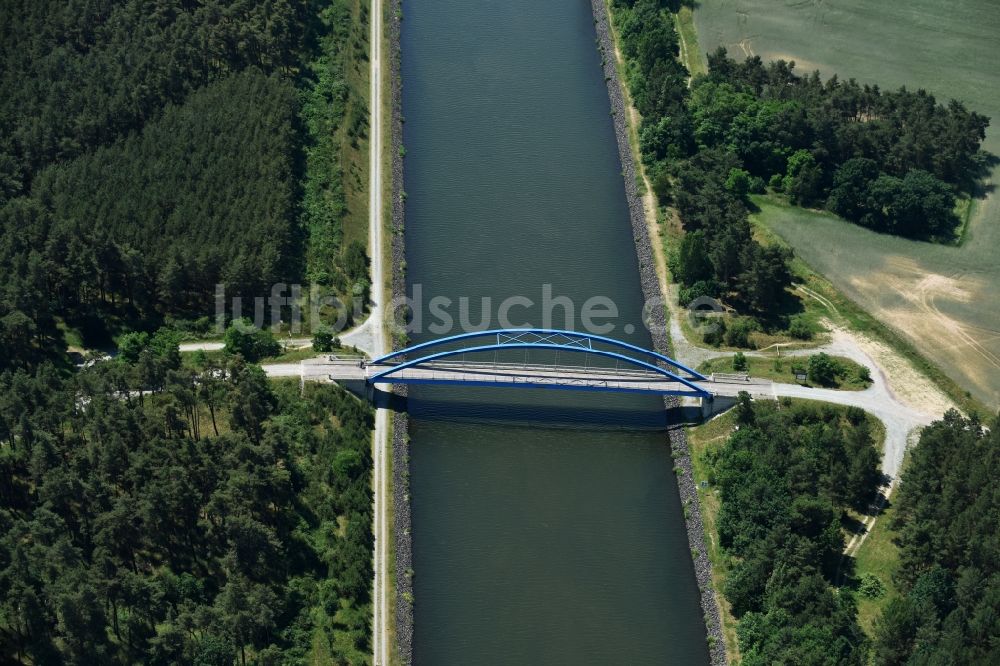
point(546, 525)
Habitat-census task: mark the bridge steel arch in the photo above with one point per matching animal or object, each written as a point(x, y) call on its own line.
point(511, 336)
point(539, 338)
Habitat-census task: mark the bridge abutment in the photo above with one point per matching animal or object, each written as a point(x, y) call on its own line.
point(714, 405)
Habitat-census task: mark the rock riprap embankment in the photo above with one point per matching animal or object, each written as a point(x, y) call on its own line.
point(661, 340)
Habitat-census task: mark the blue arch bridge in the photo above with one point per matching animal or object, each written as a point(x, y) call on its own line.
point(539, 358)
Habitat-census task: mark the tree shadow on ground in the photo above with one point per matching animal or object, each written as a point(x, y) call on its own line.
point(786, 306)
point(977, 184)
point(847, 571)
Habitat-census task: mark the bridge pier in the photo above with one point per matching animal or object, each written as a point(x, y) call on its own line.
point(380, 398)
point(358, 387)
point(714, 405)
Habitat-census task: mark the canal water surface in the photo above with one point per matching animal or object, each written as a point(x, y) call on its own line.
point(546, 525)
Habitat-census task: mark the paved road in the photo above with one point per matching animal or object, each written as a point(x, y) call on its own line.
point(377, 347)
point(531, 375)
point(359, 337)
point(902, 423)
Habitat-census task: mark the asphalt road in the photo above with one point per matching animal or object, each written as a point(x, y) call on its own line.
point(376, 331)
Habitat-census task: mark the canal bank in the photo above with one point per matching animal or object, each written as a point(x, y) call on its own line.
point(547, 529)
point(651, 288)
point(402, 539)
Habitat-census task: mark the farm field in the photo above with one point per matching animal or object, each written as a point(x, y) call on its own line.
point(945, 300)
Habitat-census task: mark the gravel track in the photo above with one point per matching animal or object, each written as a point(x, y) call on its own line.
point(401, 526)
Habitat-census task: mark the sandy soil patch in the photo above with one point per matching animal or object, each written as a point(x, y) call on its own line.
point(908, 384)
point(802, 65)
point(918, 311)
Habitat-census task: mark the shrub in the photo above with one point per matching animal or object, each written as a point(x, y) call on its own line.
point(131, 345)
point(800, 328)
point(738, 182)
point(823, 369)
point(871, 586)
point(864, 374)
point(163, 345)
point(251, 343)
point(738, 332)
point(715, 333)
point(701, 288)
point(322, 340)
point(740, 362)
point(661, 186)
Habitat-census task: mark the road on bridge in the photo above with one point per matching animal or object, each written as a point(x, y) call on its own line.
point(901, 421)
point(521, 375)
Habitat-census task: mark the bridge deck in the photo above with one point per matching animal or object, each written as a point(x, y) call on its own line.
point(539, 376)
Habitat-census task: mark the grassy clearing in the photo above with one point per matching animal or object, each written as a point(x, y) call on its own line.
point(395, 659)
point(633, 119)
point(335, 114)
point(691, 54)
point(354, 153)
point(782, 370)
point(878, 556)
point(812, 312)
point(701, 440)
point(942, 300)
point(195, 359)
point(71, 335)
point(294, 355)
point(386, 161)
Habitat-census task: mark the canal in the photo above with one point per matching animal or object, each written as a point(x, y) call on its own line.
point(547, 527)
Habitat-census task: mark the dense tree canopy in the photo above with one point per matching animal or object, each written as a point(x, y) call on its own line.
point(707, 186)
point(151, 511)
point(77, 74)
point(892, 161)
point(785, 477)
point(204, 194)
point(710, 196)
point(152, 150)
point(210, 518)
point(948, 520)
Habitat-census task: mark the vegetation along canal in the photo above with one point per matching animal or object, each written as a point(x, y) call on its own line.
point(547, 526)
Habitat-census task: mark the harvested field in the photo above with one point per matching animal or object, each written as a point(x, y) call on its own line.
point(945, 300)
